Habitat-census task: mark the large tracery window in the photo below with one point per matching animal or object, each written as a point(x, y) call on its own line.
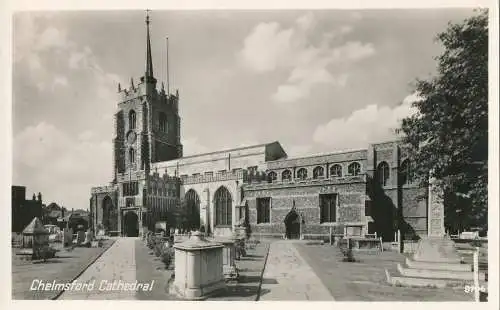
point(131, 119)
point(354, 169)
point(318, 172)
point(302, 174)
point(383, 173)
point(406, 174)
point(193, 208)
point(286, 175)
point(336, 171)
point(163, 125)
point(223, 207)
point(271, 177)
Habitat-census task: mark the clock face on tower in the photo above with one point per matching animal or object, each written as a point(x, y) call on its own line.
point(131, 137)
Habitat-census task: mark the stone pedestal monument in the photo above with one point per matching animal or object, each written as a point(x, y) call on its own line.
point(436, 247)
point(198, 268)
point(435, 262)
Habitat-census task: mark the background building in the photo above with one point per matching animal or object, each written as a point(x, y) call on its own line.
point(24, 210)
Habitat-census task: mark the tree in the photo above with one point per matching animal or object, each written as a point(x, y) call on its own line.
point(448, 136)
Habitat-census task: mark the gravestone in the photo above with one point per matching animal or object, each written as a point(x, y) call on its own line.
point(88, 237)
point(80, 237)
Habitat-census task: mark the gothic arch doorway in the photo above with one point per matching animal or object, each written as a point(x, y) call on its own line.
point(131, 224)
point(193, 209)
point(292, 225)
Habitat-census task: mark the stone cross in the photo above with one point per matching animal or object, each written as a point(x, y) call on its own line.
point(435, 220)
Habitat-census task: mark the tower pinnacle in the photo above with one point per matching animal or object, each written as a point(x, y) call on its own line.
point(149, 60)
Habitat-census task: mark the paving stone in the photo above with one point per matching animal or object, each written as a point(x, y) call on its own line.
point(117, 263)
point(288, 277)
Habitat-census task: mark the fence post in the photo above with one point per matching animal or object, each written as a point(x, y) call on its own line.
point(399, 242)
point(331, 230)
point(381, 244)
point(476, 275)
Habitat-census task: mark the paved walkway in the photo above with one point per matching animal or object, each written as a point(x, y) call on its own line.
point(117, 263)
point(288, 277)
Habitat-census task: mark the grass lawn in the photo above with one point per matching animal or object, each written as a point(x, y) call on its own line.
point(365, 280)
point(149, 267)
point(65, 267)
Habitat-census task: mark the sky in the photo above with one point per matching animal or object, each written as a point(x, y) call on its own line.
point(317, 81)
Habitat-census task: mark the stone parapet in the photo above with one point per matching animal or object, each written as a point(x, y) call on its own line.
point(307, 182)
point(132, 176)
point(103, 189)
point(222, 176)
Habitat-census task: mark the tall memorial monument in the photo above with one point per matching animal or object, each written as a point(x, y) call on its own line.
point(436, 261)
point(437, 246)
point(435, 213)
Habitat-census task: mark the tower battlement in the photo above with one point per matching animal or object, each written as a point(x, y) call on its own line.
point(138, 92)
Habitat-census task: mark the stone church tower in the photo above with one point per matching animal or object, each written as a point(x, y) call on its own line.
point(146, 130)
point(147, 123)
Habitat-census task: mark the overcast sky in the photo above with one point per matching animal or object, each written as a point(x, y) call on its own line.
point(317, 81)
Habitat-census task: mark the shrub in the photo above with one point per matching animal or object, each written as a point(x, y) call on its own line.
point(44, 253)
point(240, 248)
point(151, 242)
point(167, 256)
point(158, 249)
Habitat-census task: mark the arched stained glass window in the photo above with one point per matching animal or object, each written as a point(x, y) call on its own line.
point(318, 172)
point(302, 174)
point(336, 171)
point(383, 173)
point(271, 177)
point(193, 208)
point(286, 175)
point(406, 173)
point(131, 155)
point(223, 207)
point(354, 169)
point(163, 125)
point(131, 119)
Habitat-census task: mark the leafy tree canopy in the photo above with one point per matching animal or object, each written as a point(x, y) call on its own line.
point(448, 135)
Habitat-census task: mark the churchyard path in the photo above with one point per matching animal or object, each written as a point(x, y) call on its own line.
point(117, 263)
point(287, 276)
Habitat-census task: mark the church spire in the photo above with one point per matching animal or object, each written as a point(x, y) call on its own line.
point(149, 60)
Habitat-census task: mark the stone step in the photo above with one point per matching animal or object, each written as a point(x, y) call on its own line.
point(425, 282)
point(438, 274)
point(437, 266)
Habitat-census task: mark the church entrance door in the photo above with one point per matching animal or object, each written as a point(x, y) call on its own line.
point(131, 224)
point(292, 225)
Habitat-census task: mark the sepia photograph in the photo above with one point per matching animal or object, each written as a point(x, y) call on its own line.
point(251, 155)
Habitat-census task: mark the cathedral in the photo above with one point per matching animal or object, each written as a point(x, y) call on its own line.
point(357, 192)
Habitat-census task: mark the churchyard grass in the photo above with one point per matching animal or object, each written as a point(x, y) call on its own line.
point(364, 280)
point(65, 267)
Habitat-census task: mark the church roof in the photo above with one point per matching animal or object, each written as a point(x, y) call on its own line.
point(35, 227)
point(229, 150)
point(269, 151)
